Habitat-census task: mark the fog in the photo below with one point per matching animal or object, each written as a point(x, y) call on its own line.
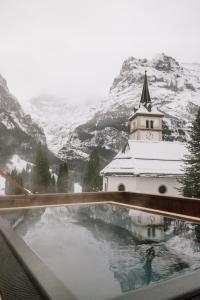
point(74, 49)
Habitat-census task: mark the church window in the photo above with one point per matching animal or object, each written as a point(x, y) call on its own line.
point(147, 123)
point(151, 231)
point(162, 189)
point(121, 187)
point(151, 123)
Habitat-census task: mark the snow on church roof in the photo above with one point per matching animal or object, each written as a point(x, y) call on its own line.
point(147, 158)
point(142, 110)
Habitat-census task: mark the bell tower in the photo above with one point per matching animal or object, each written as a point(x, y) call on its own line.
point(146, 121)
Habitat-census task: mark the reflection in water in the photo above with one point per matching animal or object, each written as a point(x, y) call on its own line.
point(102, 251)
point(150, 254)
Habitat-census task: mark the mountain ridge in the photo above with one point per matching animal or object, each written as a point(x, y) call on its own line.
point(19, 135)
point(174, 89)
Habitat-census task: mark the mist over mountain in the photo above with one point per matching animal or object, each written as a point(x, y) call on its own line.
point(72, 130)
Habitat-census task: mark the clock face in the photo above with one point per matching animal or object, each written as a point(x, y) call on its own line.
point(149, 135)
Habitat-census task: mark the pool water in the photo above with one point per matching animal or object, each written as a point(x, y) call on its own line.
point(103, 251)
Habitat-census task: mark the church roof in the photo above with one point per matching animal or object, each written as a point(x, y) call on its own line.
point(143, 111)
point(148, 158)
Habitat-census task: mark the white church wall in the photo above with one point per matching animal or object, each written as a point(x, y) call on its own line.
point(112, 183)
point(139, 123)
point(151, 185)
point(148, 185)
point(152, 135)
point(156, 122)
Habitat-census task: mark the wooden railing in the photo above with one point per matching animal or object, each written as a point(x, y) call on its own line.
point(188, 208)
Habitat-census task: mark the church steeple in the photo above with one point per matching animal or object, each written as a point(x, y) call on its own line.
point(146, 121)
point(145, 97)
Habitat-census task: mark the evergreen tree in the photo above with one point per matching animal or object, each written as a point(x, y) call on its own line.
point(11, 189)
point(26, 178)
point(53, 185)
point(41, 173)
point(63, 180)
point(191, 179)
point(92, 181)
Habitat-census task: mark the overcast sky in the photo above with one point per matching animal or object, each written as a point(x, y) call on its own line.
point(75, 48)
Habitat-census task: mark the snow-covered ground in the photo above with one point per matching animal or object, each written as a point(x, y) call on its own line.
point(2, 185)
point(77, 187)
point(16, 162)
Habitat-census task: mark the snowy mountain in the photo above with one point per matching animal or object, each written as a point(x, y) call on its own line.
point(72, 130)
point(19, 135)
point(58, 118)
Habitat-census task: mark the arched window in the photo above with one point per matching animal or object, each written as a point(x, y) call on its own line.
point(147, 123)
point(151, 123)
point(162, 189)
point(121, 187)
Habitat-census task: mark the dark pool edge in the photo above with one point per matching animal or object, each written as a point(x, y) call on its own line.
point(49, 286)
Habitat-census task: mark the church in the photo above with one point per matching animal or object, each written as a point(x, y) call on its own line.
point(146, 164)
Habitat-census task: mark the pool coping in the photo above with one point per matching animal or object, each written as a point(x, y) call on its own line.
point(50, 287)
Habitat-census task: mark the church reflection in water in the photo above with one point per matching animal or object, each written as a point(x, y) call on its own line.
point(146, 226)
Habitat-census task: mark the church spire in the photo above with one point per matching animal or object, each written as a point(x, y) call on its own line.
point(145, 98)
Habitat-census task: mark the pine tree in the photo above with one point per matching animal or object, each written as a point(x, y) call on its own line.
point(92, 181)
point(53, 184)
point(11, 189)
point(191, 179)
point(63, 180)
point(41, 173)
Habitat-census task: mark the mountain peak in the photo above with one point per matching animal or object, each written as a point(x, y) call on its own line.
point(174, 90)
point(162, 62)
point(132, 72)
point(3, 83)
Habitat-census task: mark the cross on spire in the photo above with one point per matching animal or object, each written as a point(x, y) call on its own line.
point(145, 97)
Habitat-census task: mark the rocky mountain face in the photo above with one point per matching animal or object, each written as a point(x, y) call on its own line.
point(19, 135)
point(72, 130)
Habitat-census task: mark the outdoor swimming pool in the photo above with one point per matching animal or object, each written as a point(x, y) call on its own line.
point(102, 251)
